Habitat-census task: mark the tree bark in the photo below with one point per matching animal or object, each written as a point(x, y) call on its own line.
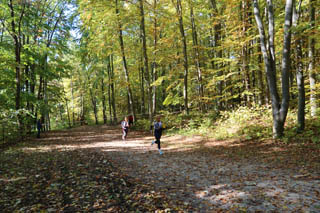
point(217, 44)
point(72, 97)
point(124, 62)
point(94, 105)
point(145, 60)
point(260, 79)
point(112, 90)
point(141, 75)
point(311, 56)
point(279, 110)
point(68, 112)
point(154, 63)
point(299, 73)
point(103, 101)
point(16, 35)
point(185, 55)
point(109, 100)
point(245, 6)
point(197, 56)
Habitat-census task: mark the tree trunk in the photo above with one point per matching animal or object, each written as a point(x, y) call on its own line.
point(197, 56)
point(72, 97)
point(279, 110)
point(245, 7)
point(112, 90)
point(109, 102)
point(185, 56)
point(68, 112)
point(124, 62)
point(141, 75)
point(311, 56)
point(286, 62)
point(109, 89)
point(217, 44)
point(154, 64)
point(46, 103)
point(260, 79)
point(16, 35)
point(299, 73)
point(145, 59)
point(103, 101)
point(94, 105)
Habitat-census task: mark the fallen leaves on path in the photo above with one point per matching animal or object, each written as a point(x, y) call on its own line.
point(90, 169)
point(72, 181)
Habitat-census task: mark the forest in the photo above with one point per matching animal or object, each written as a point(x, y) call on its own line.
point(234, 82)
point(92, 62)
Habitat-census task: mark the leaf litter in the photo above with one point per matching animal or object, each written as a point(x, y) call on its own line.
point(91, 169)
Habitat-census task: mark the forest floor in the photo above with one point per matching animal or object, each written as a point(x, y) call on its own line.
point(90, 168)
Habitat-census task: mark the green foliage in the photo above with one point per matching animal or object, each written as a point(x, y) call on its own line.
point(309, 135)
point(242, 123)
point(77, 69)
point(194, 123)
point(141, 124)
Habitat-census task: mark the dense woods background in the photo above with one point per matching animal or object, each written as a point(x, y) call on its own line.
point(95, 61)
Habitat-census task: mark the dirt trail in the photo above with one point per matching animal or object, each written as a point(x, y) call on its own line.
point(209, 175)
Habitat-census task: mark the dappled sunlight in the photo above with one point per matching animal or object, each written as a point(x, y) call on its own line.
point(115, 144)
point(256, 195)
point(222, 197)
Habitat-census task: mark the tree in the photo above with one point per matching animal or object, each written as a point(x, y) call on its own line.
point(279, 109)
point(197, 55)
point(185, 55)
point(124, 62)
point(145, 59)
point(299, 71)
point(311, 68)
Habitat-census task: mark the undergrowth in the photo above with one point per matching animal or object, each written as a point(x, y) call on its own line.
point(243, 123)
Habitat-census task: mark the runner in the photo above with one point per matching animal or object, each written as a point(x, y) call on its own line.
point(125, 128)
point(158, 127)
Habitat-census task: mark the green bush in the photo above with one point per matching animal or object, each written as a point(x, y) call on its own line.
point(141, 124)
